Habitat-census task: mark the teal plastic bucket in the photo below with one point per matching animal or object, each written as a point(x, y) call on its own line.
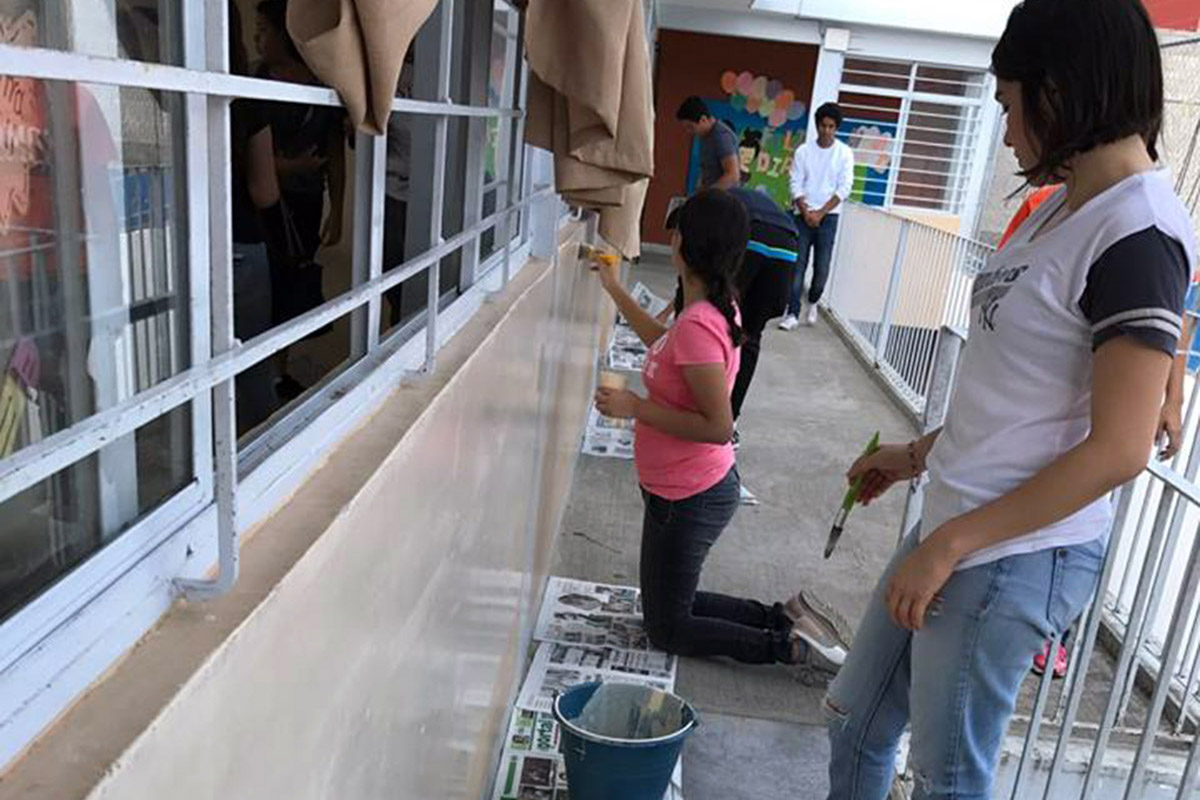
point(603, 766)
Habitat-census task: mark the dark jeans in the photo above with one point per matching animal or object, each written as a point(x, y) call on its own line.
point(763, 290)
point(818, 241)
point(676, 537)
point(395, 218)
point(255, 387)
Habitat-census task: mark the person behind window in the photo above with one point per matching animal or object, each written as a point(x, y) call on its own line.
point(1074, 325)
point(821, 178)
point(719, 167)
point(395, 203)
point(682, 452)
point(256, 218)
point(310, 152)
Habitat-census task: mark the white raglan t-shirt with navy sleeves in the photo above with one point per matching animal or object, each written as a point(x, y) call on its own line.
point(1119, 265)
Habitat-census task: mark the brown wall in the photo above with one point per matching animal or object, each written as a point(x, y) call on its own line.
point(692, 63)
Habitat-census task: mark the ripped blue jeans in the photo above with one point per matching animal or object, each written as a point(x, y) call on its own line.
point(956, 680)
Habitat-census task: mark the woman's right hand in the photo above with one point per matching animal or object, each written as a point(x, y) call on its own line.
point(610, 273)
point(888, 465)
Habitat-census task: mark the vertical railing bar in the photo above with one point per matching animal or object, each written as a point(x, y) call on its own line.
point(1127, 658)
point(221, 266)
point(514, 148)
point(1158, 699)
point(1087, 643)
point(1035, 723)
point(1134, 544)
point(889, 302)
point(1188, 781)
point(445, 45)
point(1159, 586)
point(1139, 628)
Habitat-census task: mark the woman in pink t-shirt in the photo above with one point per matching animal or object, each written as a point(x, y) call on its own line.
point(682, 451)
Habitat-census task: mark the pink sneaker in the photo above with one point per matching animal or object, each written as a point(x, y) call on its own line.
point(1060, 663)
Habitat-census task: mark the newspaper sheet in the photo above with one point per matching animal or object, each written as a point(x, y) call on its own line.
point(547, 678)
point(568, 594)
point(532, 766)
point(607, 437)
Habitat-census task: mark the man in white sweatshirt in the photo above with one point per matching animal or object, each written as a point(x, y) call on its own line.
point(821, 178)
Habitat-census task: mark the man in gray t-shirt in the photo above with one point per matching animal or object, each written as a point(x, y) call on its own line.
point(718, 145)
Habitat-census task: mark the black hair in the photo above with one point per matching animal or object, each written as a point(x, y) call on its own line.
point(692, 110)
point(275, 12)
point(1090, 73)
point(713, 230)
point(831, 111)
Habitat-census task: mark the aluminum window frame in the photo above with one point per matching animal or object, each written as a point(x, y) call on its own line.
point(232, 491)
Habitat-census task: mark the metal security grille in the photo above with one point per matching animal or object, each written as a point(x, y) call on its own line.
point(914, 129)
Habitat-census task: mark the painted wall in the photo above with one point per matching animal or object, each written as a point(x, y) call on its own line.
point(382, 664)
point(763, 89)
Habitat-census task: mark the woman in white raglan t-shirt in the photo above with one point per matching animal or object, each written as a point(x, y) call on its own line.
point(1073, 328)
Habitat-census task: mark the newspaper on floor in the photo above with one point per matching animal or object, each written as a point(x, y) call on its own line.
point(546, 679)
point(607, 437)
point(533, 740)
point(568, 594)
point(647, 300)
point(640, 663)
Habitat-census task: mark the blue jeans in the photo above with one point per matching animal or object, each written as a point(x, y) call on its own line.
point(676, 538)
point(956, 680)
point(819, 242)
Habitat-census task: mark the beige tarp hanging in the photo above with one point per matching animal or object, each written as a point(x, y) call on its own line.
point(358, 47)
point(590, 103)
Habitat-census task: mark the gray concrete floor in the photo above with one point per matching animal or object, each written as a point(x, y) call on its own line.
point(809, 412)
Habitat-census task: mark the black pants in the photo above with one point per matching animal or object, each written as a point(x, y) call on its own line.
point(763, 285)
point(395, 219)
point(676, 537)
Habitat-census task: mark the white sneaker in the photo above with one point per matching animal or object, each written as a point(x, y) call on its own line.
point(789, 323)
point(747, 497)
point(811, 318)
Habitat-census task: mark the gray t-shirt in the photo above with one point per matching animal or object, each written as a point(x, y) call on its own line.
point(720, 143)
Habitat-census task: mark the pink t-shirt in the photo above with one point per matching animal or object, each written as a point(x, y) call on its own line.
point(670, 467)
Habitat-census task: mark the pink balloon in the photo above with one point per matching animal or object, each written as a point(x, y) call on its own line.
point(744, 82)
point(778, 117)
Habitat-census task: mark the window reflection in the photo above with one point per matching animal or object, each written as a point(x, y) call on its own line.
point(93, 309)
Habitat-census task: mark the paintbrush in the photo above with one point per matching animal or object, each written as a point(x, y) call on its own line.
point(848, 501)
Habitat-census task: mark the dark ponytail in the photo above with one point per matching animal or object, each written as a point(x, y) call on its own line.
point(713, 231)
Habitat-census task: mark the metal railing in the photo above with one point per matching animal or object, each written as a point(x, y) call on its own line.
point(1123, 721)
point(895, 284)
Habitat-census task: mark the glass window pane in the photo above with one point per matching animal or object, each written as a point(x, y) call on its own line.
point(882, 74)
point(140, 30)
point(93, 273)
point(51, 528)
point(948, 81)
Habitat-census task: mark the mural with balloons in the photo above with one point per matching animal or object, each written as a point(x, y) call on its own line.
point(770, 122)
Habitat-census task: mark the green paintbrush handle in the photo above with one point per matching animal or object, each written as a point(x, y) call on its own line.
point(852, 493)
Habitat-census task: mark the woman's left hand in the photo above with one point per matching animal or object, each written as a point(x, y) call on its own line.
point(914, 586)
point(617, 403)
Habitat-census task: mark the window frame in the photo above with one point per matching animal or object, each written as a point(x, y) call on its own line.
point(974, 120)
point(47, 652)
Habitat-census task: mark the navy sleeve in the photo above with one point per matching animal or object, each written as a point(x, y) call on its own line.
point(1137, 288)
